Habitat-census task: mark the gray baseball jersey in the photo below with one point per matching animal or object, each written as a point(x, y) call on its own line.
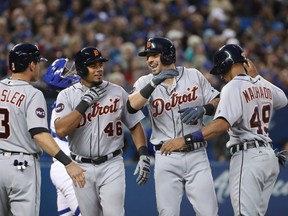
point(247, 104)
point(180, 172)
point(101, 130)
point(22, 107)
point(100, 133)
point(190, 88)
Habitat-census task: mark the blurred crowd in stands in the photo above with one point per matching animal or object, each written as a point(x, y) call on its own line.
point(120, 28)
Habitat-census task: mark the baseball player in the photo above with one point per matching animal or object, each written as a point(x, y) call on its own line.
point(245, 109)
point(24, 133)
point(58, 78)
point(165, 91)
point(93, 113)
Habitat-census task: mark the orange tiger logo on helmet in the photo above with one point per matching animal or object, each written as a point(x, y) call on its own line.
point(148, 45)
point(96, 52)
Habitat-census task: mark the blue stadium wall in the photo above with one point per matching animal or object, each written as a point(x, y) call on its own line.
point(140, 200)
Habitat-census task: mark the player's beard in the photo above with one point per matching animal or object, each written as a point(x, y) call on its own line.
point(95, 84)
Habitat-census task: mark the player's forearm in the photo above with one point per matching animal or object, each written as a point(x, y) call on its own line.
point(137, 101)
point(212, 130)
point(138, 136)
point(215, 128)
point(210, 108)
point(47, 143)
point(68, 123)
point(215, 103)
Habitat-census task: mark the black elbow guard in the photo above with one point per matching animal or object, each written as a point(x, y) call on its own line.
point(130, 109)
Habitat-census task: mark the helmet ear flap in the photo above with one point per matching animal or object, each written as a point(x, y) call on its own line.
point(225, 66)
point(82, 72)
point(167, 59)
point(19, 65)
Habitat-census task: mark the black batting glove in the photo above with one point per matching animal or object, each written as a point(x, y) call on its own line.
point(163, 75)
point(159, 78)
point(90, 97)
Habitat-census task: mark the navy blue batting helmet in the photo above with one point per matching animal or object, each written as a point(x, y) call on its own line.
point(86, 57)
point(225, 57)
point(161, 45)
point(58, 76)
point(21, 55)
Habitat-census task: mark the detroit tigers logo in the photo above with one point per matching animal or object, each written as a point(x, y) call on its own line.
point(40, 112)
point(148, 45)
point(159, 105)
point(59, 107)
point(96, 53)
point(100, 110)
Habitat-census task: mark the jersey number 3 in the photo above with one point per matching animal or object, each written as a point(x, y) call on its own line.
point(4, 126)
point(261, 122)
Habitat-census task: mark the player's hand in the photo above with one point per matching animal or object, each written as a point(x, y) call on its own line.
point(143, 168)
point(281, 155)
point(76, 173)
point(251, 69)
point(172, 145)
point(163, 75)
point(93, 94)
point(190, 115)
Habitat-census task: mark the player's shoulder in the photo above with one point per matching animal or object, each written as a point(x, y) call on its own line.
point(191, 74)
point(242, 81)
point(72, 89)
point(187, 72)
point(19, 84)
point(30, 89)
point(145, 78)
point(108, 84)
point(113, 87)
point(238, 83)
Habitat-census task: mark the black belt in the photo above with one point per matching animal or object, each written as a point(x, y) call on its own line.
point(158, 147)
point(247, 145)
point(194, 146)
point(8, 153)
point(98, 160)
